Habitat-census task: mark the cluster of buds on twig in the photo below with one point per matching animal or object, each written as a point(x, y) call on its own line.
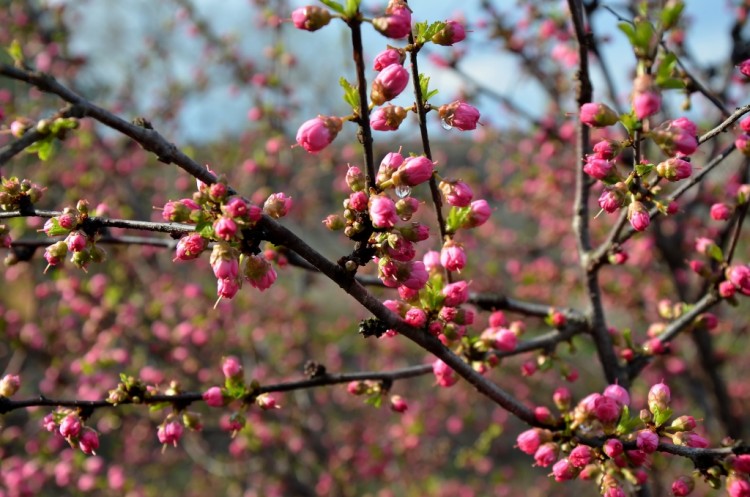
point(70, 425)
point(14, 193)
point(80, 244)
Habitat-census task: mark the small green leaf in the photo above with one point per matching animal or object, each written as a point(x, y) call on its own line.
point(643, 169)
point(715, 252)
point(671, 15)
point(631, 123)
point(352, 7)
point(205, 229)
point(335, 6)
point(351, 94)
point(158, 407)
point(424, 86)
point(644, 34)
point(661, 417)
point(55, 228)
point(433, 29)
point(629, 31)
point(375, 400)
point(670, 84)
point(14, 50)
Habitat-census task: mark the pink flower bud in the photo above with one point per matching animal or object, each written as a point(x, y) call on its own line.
point(266, 402)
point(444, 375)
point(416, 317)
point(9, 385)
point(389, 83)
point(231, 367)
point(310, 18)
point(564, 470)
point(456, 193)
point(606, 410)
point(88, 441)
point(638, 216)
point(674, 169)
point(739, 276)
point(170, 433)
point(316, 134)
point(398, 404)
point(658, 397)
point(259, 272)
point(676, 137)
point(414, 171)
point(611, 200)
point(690, 439)
point(432, 261)
point(55, 253)
point(455, 293)
point(599, 168)
point(190, 247)
point(277, 205)
point(383, 212)
point(581, 456)
point(355, 178)
point(646, 98)
point(683, 486)
point(452, 33)
point(416, 232)
point(388, 57)
point(387, 118)
point(505, 340)
point(225, 228)
point(546, 454)
point(612, 448)
point(562, 398)
point(70, 426)
point(417, 275)
point(619, 394)
point(459, 115)
point(452, 256)
point(214, 397)
point(744, 67)
point(479, 213)
point(529, 441)
point(597, 115)
point(236, 208)
point(741, 463)
point(743, 144)
point(647, 441)
point(745, 125)
point(684, 423)
point(720, 212)
point(396, 25)
point(727, 289)
point(606, 149)
point(227, 288)
point(225, 267)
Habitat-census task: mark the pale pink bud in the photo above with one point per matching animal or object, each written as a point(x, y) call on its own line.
point(389, 83)
point(259, 272)
point(619, 394)
point(720, 212)
point(387, 118)
point(598, 168)
point(646, 99)
point(383, 212)
point(414, 171)
point(70, 426)
point(355, 178)
point(316, 134)
point(227, 288)
point(48, 423)
point(684, 423)
point(396, 25)
point(170, 433)
point(444, 375)
point(266, 402)
point(505, 340)
point(459, 115)
point(452, 256)
point(398, 404)
point(386, 58)
point(277, 205)
point(456, 193)
point(455, 293)
point(562, 398)
point(214, 397)
point(432, 261)
point(310, 18)
point(190, 247)
point(453, 32)
point(638, 216)
point(597, 115)
point(647, 441)
point(658, 397)
point(231, 367)
point(88, 441)
point(674, 169)
point(546, 454)
point(9, 385)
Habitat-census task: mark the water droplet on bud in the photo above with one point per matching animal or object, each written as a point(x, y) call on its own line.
point(446, 125)
point(403, 191)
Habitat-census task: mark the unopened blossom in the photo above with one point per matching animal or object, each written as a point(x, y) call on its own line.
point(452, 33)
point(383, 212)
point(266, 402)
point(455, 293)
point(277, 205)
point(646, 97)
point(600, 169)
point(231, 367)
point(744, 67)
point(607, 410)
point(387, 57)
point(619, 394)
point(676, 137)
point(743, 143)
point(611, 200)
point(259, 272)
point(70, 426)
point(597, 115)
point(178, 211)
point(505, 340)
point(683, 423)
point(389, 83)
point(396, 23)
point(741, 463)
point(416, 232)
point(606, 149)
point(225, 228)
point(190, 247)
point(358, 201)
point(406, 207)
point(529, 441)
point(647, 441)
point(562, 398)
point(398, 404)
point(388, 166)
point(387, 118)
point(310, 18)
point(612, 448)
point(456, 193)
point(170, 433)
point(546, 454)
point(674, 169)
point(414, 171)
point(739, 276)
point(224, 262)
point(444, 375)
point(9, 385)
point(227, 288)
point(236, 207)
point(745, 125)
point(659, 397)
point(452, 256)
point(638, 216)
point(88, 441)
point(416, 275)
point(683, 486)
point(431, 260)
point(316, 134)
point(689, 439)
point(720, 212)
point(564, 470)
point(401, 249)
point(459, 115)
point(416, 317)
point(55, 253)
point(214, 397)
point(355, 178)
point(479, 213)
point(581, 456)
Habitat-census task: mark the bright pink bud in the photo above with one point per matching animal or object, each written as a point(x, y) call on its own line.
point(459, 115)
point(741, 463)
point(744, 67)
point(225, 228)
point(745, 125)
point(416, 317)
point(727, 289)
point(676, 137)
point(383, 212)
point(310, 18)
point(456, 193)
point(417, 275)
point(236, 208)
point(528, 368)
point(543, 415)
point(720, 212)
point(529, 441)
point(70, 426)
point(658, 397)
point(581, 456)
point(597, 115)
point(398, 404)
point(638, 216)
point(316, 134)
point(231, 367)
point(227, 288)
point(190, 247)
point(743, 144)
point(505, 340)
point(647, 441)
point(224, 266)
point(277, 205)
point(612, 448)
point(563, 470)
point(444, 375)
point(683, 486)
point(455, 293)
point(674, 169)
point(396, 25)
point(259, 272)
point(739, 276)
point(606, 149)
point(48, 423)
point(546, 454)
point(170, 433)
point(88, 441)
point(611, 200)
point(690, 439)
point(606, 410)
point(414, 171)
point(386, 58)
point(646, 98)
point(416, 232)
point(214, 397)
point(452, 256)
point(619, 394)
point(614, 491)
point(562, 398)
point(387, 118)
point(479, 213)
point(389, 83)
point(358, 201)
point(599, 168)
point(452, 33)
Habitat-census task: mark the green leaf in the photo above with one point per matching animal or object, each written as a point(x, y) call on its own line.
point(352, 7)
point(205, 229)
point(666, 66)
point(335, 6)
point(351, 94)
point(14, 50)
point(158, 407)
point(643, 169)
point(424, 86)
point(671, 84)
point(628, 29)
point(661, 417)
point(56, 229)
point(375, 400)
point(630, 122)
point(644, 34)
point(46, 149)
point(671, 15)
point(715, 252)
point(432, 30)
